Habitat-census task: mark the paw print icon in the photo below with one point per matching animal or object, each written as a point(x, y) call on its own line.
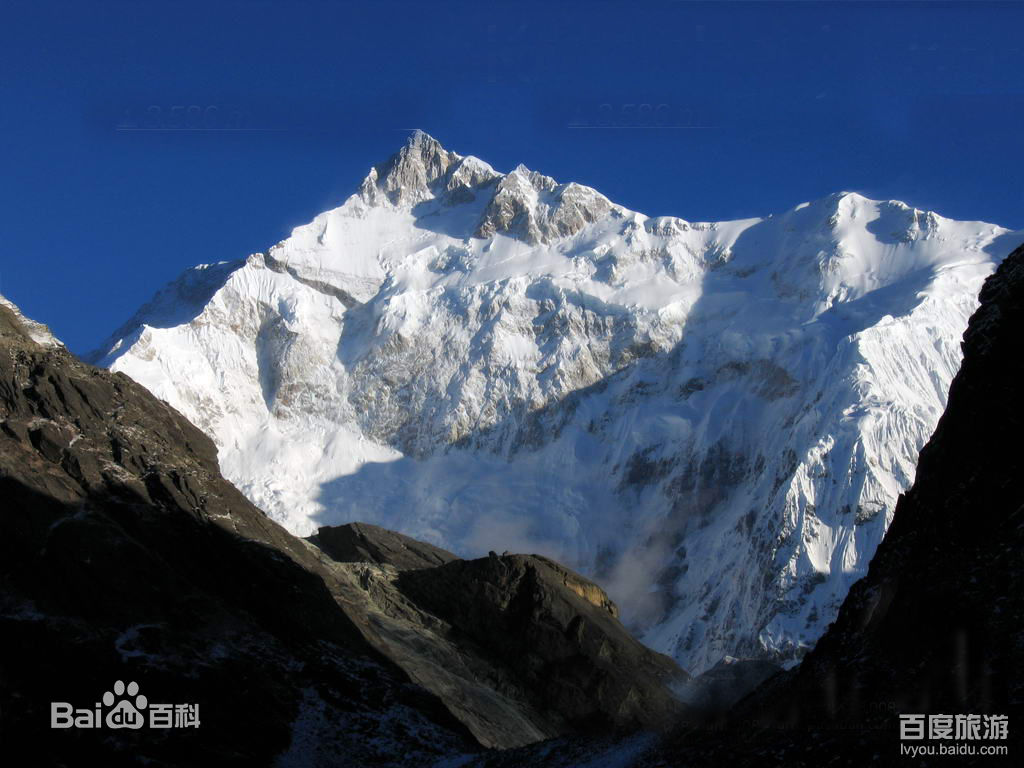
point(125, 714)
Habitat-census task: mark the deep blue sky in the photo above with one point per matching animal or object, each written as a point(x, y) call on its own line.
point(753, 108)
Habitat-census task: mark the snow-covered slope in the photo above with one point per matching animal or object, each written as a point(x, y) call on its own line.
point(713, 420)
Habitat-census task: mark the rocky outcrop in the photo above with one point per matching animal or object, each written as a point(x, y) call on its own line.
point(422, 169)
point(523, 204)
point(518, 647)
point(555, 636)
point(535, 209)
point(15, 325)
point(365, 543)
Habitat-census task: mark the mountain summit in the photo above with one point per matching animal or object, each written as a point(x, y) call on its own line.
point(413, 173)
point(713, 419)
point(524, 204)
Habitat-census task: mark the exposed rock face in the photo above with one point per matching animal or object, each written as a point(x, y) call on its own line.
point(522, 204)
point(422, 169)
point(556, 636)
point(537, 209)
point(518, 647)
point(13, 324)
point(124, 555)
point(365, 543)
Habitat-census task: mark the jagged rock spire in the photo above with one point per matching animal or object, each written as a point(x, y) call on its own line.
point(523, 204)
point(536, 209)
point(408, 175)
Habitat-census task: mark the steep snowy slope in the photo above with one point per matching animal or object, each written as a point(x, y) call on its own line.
point(714, 420)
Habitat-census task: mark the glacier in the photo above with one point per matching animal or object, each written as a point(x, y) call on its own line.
point(713, 420)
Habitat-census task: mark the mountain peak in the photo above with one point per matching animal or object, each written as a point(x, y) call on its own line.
point(420, 138)
point(408, 175)
point(888, 220)
point(523, 204)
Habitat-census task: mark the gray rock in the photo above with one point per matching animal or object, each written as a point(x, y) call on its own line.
point(366, 543)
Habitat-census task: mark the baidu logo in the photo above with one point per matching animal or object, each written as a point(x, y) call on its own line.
point(124, 707)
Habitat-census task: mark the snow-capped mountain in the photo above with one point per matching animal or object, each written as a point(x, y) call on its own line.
point(714, 420)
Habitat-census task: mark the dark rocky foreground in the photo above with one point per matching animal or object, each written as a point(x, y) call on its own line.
point(124, 555)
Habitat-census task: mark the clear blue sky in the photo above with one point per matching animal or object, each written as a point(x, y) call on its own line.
point(752, 108)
